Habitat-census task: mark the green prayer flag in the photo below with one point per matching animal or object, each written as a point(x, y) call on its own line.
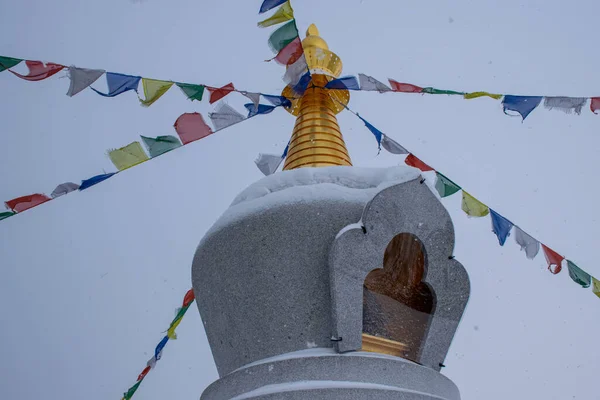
point(4, 215)
point(283, 36)
point(445, 186)
point(160, 144)
point(431, 90)
point(578, 275)
point(131, 391)
point(193, 92)
point(8, 62)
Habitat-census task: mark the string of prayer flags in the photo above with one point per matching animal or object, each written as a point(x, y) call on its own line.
point(290, 53)
point(23, 203)
point(128, 156)
point(371, 84)
point(347, 82)
point(217, 94)
point(520, 104)
point(596, 286)
point(193, 92)
point(8, 62)
point(565, 104)
point(578, 275)
point(269, 5)
point(283, 14)
point(473, 207)
point(277, 100)
point(283, 36)
point(64, 188)
point(258, 109)
point(474, 95)
point(413, 161)
point(119, 83)
point(444, 186)
point(553, 259)
point(187, 301)
point(81, 78)
point(404, 87)
point(160, 144)
point(39, 71)
point(500, 226)
point(595, 104)
point(225, 116)
point(153, 90)
point(527, 243)
point(430, 90)
point(392, 146)
point(191, 127)
point(88, 183)
point(6, 214)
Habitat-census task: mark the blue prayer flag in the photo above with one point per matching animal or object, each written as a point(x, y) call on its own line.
point(258, 109)
point(500, 226)
point(378, 134)
point(277, 100)
point(347, 82)
point(94, 180)
point(284, 155)
point(119, 83)
point(521, 104)
point(159, 347)
point(270, 4)
point(302, 84)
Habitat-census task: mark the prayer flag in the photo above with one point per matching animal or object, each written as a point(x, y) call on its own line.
point(260, 109)
point(473, 207)
point(431, 90)
point(378, 134)
point(270, 4)
point(347, 82)
point(81, 78)
point(302, 84)
point(392, 146)
point(39, 71)
point(413, 161)
point(160, 144)
point(63, 189)
point(159, 347)
point(284, 13)
point(369, 83)
point(23, 203)
point(295, 72)
point(553, 259)
point(188, 298)
point(565, 104)
point(277, 100)
point(595, 104)
point(290, 53)
point(85, 184)
point(217, 94)
point(119, 83)
point(520, 104)
point(8, 62)
point(578, 275)
point(193, 92)
point(500, 226)
point(596, 286)
point(404, 87)
point(191, 127)
point(6, 214)
point(128, 156)
point(444, 186)
point(527, 243)
point(255, 97)
point(144, 373)
point(283, 36)
point(153, 89)
point(225, 116)
point(268, 163)
point(129, 394)
point(474, 95)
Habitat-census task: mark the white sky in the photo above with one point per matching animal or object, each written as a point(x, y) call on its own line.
point(91, 280)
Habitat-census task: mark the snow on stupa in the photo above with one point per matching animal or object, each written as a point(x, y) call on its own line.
point(335, 282)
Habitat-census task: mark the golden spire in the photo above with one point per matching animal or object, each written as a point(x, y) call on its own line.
point(316, 139)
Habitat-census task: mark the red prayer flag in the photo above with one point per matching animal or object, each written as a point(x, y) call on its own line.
point(595, 104)
point(290, 53)
point(144, 373)
point(217, 94)
point(26, 202)
point(404, 87)
point(415, 162)
point(553, 258)
point(191, 127)
point(38, 70)
point(189, 297)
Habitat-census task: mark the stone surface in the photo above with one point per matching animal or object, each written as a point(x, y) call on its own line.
point(325, 374)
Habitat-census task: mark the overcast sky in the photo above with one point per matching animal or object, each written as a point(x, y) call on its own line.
point(91, 280)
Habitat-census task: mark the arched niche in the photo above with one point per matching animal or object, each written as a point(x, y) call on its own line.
point(398, 305)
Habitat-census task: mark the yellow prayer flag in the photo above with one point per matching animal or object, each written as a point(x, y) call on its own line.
point(474, 95)
point(473, 207)
point(171, 332)
point(128, 156)
point(596, 286)
point(284, 13)
point(153, 89)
